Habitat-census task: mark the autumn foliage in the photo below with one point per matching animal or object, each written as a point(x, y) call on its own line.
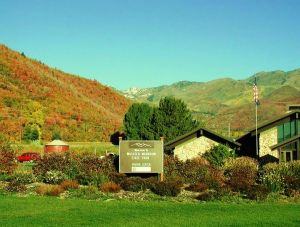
point(34, 96)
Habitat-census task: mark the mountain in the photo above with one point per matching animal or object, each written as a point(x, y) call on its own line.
point(226, 102)
point(33, 95)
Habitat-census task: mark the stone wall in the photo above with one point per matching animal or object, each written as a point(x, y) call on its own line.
point(266, 139)
point(193, 148)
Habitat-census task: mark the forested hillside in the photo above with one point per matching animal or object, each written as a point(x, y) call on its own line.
point(35, 98)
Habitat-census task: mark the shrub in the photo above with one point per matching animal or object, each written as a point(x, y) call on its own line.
point(214, 179)
point(69, 184)
point(217, 154)
point(208, 195)
point(8, 162)
point(241, 173)
point(65, 163)
point(54, 177)
point(92, 179)
point(15, 186)
point(133, 184)
point(5, 177)
point(110, 187)
point(257, 192)
point(117, 177)
point(89, 192)
point(23, 178)
point(172, 166)
point(198, 187)
point(94, 170)
point(215, 194)
point(292, 182)
point(166, 188)
point(194, 170)
point(150, 181)
point(50, 190)
point(281, 177)
point(272, 180)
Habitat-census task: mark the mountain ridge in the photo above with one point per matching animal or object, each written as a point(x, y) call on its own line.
point(225, 101)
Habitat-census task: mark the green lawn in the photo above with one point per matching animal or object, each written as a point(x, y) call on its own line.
point(48, 211)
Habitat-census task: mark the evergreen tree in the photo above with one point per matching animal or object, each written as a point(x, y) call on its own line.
point(174, 119)
point(56, 136)
point(137, 122)
point(27, 133)
point(35, 134)
point(171, 119)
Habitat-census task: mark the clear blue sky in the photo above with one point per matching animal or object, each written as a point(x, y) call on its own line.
point(143, 43)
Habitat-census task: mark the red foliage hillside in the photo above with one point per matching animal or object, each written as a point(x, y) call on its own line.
point(31, 93)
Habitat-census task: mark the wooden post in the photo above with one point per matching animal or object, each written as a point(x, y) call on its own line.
point(161, 178)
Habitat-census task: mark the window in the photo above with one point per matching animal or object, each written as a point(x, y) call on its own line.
point(280, 133)
point(288, 153)
point(287, 130)
point(293, 128)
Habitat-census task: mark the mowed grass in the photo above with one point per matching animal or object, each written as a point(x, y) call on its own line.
point(48, 211)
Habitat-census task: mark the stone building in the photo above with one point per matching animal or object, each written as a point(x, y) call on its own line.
point(196, 143)
point(278, 140)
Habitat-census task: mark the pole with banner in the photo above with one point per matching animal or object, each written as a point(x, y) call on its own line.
point(256, 100)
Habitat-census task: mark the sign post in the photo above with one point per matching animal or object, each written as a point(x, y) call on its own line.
point(141, 156)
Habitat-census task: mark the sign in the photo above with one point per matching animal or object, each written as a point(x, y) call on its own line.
point(139, 156)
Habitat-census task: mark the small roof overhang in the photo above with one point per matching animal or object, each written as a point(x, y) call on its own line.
point(286, 142)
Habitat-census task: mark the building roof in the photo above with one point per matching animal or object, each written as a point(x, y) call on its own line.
point(57, 143)
point(198, 132)
point(271, 123)
point(286, 142)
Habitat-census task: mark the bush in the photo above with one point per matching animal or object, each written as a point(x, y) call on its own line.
point(208, 195)
point(241, 173)
point(5, 177)
point(281, 177)
point(23, 178)
point(117, 177)
point(166, 188)
point(50, 190)
point(172, 166)
point(134, 184)
point(215, 179)
point(92, 179)
point(54, 177)
point(150, 182)
point(110, 187)
point(94, 170)
point(15, 186)
point(65, 163)
point(8, 162)
point(272, 180)
point(198, 187)
point(292, 183)
point(69, 184)
point(86, 168)
point(217, 154)
point(194, 170)
point(257, 192)
point(89, 192)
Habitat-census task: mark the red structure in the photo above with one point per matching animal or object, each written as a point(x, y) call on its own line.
point(56, 146)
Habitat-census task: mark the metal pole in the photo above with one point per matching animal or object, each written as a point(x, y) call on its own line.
point(256, 139)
